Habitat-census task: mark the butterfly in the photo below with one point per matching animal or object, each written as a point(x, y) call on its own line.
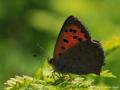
point(75, 51)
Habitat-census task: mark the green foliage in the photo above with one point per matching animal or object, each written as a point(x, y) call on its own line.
point(107, 73)
point(46, 80)
point(111, 45)
point(66, 82)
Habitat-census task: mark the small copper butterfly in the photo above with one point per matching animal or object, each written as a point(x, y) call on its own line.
point(75, 51)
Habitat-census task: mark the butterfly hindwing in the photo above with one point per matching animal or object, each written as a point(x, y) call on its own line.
point(72, 33)
point(84, 58)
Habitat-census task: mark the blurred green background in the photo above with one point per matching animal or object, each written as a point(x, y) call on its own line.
point(29, 28)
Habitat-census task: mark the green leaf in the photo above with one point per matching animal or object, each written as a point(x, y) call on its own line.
point(111, 45)
point(107, 73)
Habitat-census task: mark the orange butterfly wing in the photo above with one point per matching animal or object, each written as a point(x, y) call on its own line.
point(72, 33)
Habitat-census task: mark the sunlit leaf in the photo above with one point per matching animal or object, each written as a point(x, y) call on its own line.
point(107, 73)
point(111, 45)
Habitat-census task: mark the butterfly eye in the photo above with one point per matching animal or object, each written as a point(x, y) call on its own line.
point(79, 39)
point(74, 37)
point(65, 40)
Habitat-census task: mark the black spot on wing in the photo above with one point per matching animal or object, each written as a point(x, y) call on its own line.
point(86, 36)
point(74, 31)
point(82, 31)
point(60, 54)
point(65, 40)
point(63, 47)
point(66, 30)
point(70, 30)
point(79, 39)
point(74, 37)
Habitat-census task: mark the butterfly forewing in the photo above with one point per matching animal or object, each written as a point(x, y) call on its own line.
point(72, 33)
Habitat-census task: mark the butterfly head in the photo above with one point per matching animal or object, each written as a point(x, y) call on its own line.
point(50, 61)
